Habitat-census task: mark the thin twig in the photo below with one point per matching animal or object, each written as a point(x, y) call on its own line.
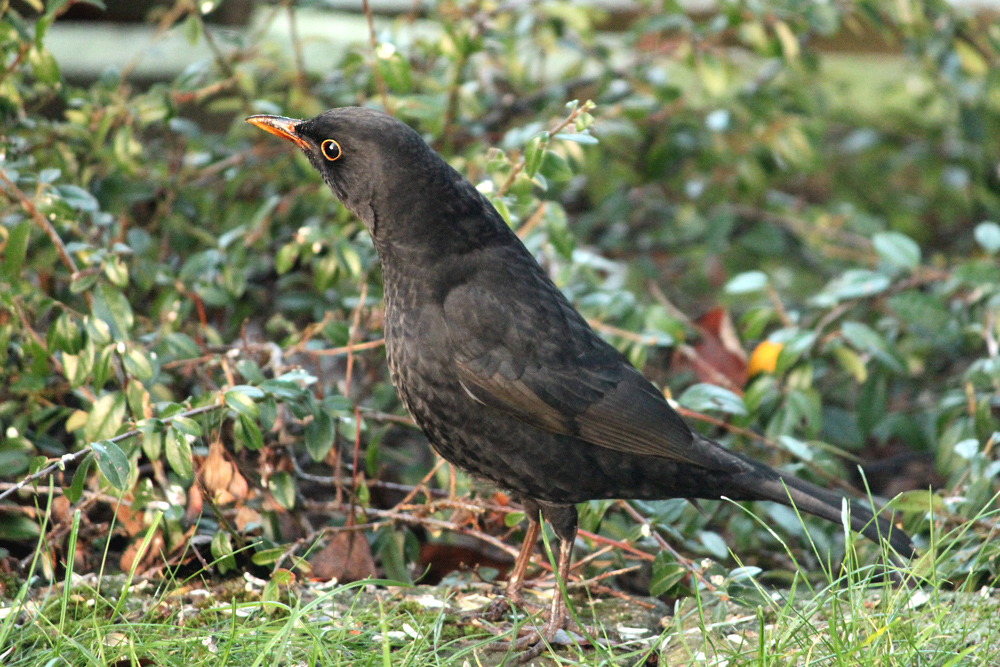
point(220, 58)
point(300, 61)
point(519, 165)
point(61, 462)
point(43, 223)
point(379, 81)
point(348, 349)
point(533, 220)
point(687, 563)
point(353, 335)
point(623, 333)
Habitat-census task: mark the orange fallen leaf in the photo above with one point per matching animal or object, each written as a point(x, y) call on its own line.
point(764, 359)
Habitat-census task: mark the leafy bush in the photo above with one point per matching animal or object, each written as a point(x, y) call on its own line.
point(183, 302)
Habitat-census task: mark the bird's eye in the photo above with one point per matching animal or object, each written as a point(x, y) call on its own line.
point(331, 149)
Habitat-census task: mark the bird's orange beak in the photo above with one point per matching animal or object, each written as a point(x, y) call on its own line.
point(281, 126)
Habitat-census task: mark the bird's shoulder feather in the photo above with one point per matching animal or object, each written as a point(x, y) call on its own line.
point(520, 347)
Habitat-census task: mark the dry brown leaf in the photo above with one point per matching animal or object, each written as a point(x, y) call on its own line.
point(195, 504)
point(216, 472)
point(238, 487)
point(717, 357)
point(132, 522)
point(150, 558)
point(347, 557)
point(246, 516)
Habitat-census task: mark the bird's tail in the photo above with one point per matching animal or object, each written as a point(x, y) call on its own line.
point(769, 484)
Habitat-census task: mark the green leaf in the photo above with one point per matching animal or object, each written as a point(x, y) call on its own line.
point(44, 66)
point(501, 206)
point(152, 438)
point(77, 198)
point(988, 236)
point(222, 551)
point(110, 306)
point(395, 70)
point(555, 168)
point(865, 339)
point(796, 447)
point(117, 271)
point(251, 392)
point(248, 433)
point(268, 556)
point(17, 528)
point(984, 273)
point(338, 404)
point(744, 283)
point(714, 543)
point(268, 413)
point(703, 397)
point(897, 250)
point(250, 372)
point(283, 389)
point(78, 367)
point(103, 366)
point(282, 487)
point(513, 519)
point(182, 346)
point(75, 490)
point(12, 257)
point(285, 258)
point(65, 334)
point(105, 417)
point(919, 501)
point(667, 573)
point(54, 6)
point(49, 175)
point(137, 364)
point(192, 29)
point(579, 138)
point(319, 435)
point(241, 403)
point(179, 454)
point(187, 426)
point(851, 362)
point(970, 58)
point(857, 283)
point(533, 154)
point(560, 236)
point(112, 462)
point(81, 282)
point(389, 546)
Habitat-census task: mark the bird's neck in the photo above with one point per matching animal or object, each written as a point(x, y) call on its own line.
point(439, 229)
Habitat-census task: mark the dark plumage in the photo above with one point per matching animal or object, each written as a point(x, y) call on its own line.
point(500, 371)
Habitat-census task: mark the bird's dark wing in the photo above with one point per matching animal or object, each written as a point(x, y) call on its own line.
point(536, 359)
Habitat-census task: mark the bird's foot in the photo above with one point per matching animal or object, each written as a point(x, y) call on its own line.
point(498, 607)
point(502, 605)
point(532, 640)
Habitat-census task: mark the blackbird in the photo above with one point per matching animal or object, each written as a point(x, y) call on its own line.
point(505, 377)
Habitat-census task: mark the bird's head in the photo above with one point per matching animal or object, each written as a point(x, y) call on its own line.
point(407, 196)
point(369, 159)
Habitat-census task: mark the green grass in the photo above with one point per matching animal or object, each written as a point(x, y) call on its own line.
point(852, 617)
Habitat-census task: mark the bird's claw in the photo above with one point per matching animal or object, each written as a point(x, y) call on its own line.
point(496, 609)
point(535, 640)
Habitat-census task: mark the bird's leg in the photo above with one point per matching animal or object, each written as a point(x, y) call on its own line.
point(563, 519)
point(501, 605)
point(557, 612)
point(516, 579)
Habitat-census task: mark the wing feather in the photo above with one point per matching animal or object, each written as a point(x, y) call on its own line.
point(567, 380)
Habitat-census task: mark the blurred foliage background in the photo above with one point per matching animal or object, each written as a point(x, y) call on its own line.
point(796, 242)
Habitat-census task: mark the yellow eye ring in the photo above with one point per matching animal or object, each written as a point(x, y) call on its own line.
point(331, 150)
